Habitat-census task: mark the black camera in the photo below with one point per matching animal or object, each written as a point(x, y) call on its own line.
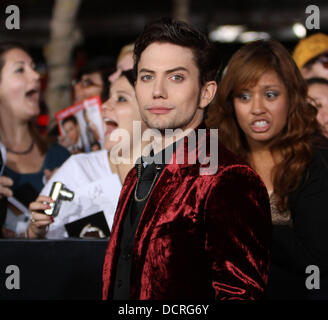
point(58, 193)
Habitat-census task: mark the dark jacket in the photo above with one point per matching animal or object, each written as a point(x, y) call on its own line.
point(306, 243)
point(199, 236)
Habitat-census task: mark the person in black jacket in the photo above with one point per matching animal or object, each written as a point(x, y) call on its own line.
point(264, 115)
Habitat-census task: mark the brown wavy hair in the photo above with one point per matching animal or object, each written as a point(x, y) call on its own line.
point(294, 142)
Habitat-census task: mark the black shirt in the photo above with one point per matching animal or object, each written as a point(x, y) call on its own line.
point(148, 174)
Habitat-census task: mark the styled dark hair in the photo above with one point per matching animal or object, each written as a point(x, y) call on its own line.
point(4, 48)
point(167, 30)
point(71, 118)
point(294, 142)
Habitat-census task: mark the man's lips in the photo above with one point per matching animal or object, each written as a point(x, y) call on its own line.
point(159, 110)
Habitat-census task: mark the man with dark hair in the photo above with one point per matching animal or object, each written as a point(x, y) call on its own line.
point(174, 32)
point(72, 138)
point(92, 79)
point(183, 229)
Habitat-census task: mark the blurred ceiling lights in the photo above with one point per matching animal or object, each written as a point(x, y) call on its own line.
point(253, 36)
point(227, 33)
point(240, 33)
point(299, 30)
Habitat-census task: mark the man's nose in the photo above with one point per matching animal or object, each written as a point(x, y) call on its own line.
point(160, 88)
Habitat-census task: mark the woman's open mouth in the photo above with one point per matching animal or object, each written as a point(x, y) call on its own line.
point(33, 94)
point(110, 125)
point(260, 126)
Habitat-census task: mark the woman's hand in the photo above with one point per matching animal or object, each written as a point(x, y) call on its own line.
point(5, 183)
point(39, 220)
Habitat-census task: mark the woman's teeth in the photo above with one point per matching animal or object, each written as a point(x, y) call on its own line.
point(260, 124)
point(110, 122)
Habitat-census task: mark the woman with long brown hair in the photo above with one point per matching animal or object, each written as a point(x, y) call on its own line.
point(264, 116)
point(30, 159)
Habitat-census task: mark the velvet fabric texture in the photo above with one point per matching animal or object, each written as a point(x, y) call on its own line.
point(199, 236)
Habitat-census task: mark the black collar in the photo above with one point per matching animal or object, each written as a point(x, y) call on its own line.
point(155, 162)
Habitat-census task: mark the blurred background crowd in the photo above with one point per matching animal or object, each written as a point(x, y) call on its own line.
point(63, 36)
point(71, 51)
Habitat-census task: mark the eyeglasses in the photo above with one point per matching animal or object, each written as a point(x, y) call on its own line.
point(86, 83)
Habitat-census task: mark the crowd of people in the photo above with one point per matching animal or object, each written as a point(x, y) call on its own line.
point(180, 229)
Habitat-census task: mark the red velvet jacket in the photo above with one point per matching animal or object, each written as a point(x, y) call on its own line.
point(199, 236)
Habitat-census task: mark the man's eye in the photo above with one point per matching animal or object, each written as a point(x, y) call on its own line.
point(146, 77)
point(177, 77)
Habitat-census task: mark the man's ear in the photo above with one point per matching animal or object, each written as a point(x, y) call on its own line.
point(207, 93)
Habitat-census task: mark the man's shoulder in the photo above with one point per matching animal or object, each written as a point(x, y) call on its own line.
point(227, 158)
point(221, 160)
point(209, 147)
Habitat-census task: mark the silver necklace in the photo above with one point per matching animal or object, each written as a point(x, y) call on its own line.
point(138, 168)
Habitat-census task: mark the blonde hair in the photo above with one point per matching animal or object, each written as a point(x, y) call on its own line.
point(125, 50)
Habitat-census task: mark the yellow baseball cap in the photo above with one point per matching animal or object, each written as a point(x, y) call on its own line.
point(310, 48)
